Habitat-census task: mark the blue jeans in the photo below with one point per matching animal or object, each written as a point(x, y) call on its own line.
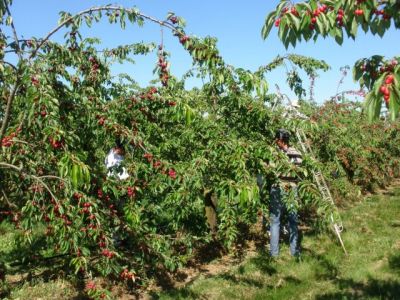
point(277, 207)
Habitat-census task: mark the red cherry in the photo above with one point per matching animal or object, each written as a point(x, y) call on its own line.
point(386, 16)
point(389, 79)
point(34, 81)
point(183, 39)
point(101, 121)
point(358, 12)
point(131, 191)
point(172, 173)
point(384, 90)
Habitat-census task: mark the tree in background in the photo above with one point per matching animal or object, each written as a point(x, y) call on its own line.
point(308, 20)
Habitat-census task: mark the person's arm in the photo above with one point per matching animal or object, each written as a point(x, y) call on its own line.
point(295, 156)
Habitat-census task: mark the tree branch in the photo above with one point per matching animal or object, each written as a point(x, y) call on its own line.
point(15, 87)
point(11, 65)
point(17, 48)
point(20, 170)
point(95, 9)
point(8, 201)
point(9, 104)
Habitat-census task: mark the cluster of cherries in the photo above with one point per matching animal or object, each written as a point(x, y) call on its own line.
point(56, 143)
point(107, 253)
point(163, 66)
point(158, 165)
point(35, 81)
point(385, 88)
point(182, 37)
point(149, 95)
point(339, 17)
point(324, 9)
point(7, 141)
point(125, 274)
point(383, 13)
point(95, 64)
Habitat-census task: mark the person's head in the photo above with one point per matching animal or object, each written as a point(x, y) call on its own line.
point(282, 137)
point(119, 146)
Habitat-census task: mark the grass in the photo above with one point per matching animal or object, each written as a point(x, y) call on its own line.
point(370, 271)
point(29, 280)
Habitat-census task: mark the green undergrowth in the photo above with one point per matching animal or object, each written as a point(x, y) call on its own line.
point(370, 271)
point(26, 277)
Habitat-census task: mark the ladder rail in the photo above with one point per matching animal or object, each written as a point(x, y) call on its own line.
point(322, 186)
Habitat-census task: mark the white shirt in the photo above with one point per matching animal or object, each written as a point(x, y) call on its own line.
point(114, 160)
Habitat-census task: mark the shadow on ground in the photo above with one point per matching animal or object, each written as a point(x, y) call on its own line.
point(350, 289)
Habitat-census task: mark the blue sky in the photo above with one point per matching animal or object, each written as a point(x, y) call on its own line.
point(236, 24)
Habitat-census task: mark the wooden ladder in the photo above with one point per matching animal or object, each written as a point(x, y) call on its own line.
point(322, 186)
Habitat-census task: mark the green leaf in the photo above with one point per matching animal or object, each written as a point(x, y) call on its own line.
point(354, 28)
point(269, 22)
point(373, 106)
point(9, 20)
point(378, 84)
point(374, 26)
point(304, 5)
point(75, 175)
point(294, 20)
point(339, 36)
point(380, 30)
point(394, 105)
point(280, 7)
point(320, 26)
point(364, 26)
point(325, 23)
point(292, 38)
point(313, 4)
point(188, 115)
point(88, 21)
point(357, 72)
point(331, 16)
point(396, 81)
point(283, 29)
point(305, 21)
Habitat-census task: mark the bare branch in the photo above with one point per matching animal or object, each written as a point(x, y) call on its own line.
point(11, 65)
point(18, 49)
point(54, 177)
point(10, 204)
